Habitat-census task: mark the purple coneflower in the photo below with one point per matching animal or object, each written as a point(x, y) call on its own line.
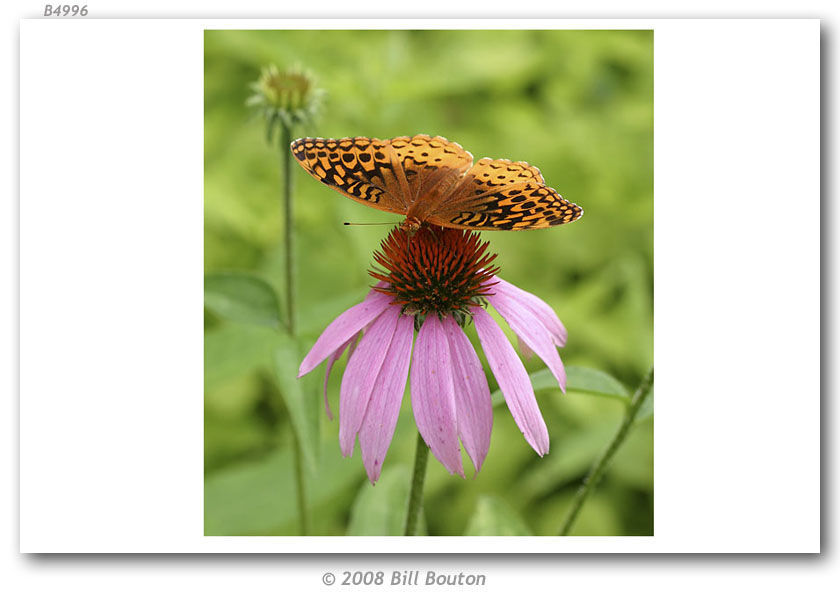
point(434, 282)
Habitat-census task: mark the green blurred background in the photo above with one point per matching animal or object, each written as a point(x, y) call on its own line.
point(579, 105)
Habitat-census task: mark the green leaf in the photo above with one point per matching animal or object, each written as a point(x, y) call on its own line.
point(235, 350)
point(592, 381)
point(242, 297)
point(381, 509)
point(493, 517)
point(258, 497)
point(304, 418)
point(584, 380)
point(646, 409)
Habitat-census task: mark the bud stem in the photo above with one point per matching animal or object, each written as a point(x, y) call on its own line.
point(289, 230)
point(289, 241)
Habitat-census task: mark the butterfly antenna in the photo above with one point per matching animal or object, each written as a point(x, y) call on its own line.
point(389, 223)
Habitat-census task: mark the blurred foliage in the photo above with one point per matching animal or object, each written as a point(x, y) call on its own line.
point(579, 105)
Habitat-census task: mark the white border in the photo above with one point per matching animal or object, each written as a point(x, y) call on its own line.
point(107, 196)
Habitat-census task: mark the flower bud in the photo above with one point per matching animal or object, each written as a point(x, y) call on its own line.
point(288, 98)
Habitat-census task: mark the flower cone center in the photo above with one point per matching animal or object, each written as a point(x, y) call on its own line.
point(435, 270)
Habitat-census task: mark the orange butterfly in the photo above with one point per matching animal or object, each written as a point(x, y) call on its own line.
point(432, 180)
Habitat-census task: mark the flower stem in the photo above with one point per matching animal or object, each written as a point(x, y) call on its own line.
point(289, 233)
point(289, 241)
point(415, 497)
point(597, 470)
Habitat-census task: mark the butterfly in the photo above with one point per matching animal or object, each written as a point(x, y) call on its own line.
point(432, 180)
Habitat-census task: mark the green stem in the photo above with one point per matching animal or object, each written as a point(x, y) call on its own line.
point(597, 470)
point(301, 490)
point(289, 241)
point(289, 232)
point(415, 497)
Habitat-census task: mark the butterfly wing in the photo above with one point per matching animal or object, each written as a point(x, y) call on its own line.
point(359, 168)
point(393, 175)
point(503, 195)
point(428, 168)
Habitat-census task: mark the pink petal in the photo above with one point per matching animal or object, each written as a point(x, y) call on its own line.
point(433, 394)
point(524, 350)
point(355, 342)
point(536, 305)
point(360, 376)
point(344, 327)
point(532, 331)
point(330, 362)
point(385, 400)
point(513, 380)
point(473, 404)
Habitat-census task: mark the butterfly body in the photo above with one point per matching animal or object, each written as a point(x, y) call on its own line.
point(432, 180)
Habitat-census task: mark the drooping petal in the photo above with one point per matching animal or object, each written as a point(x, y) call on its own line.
point(513, 380)
point(473, 405)
point(524, 349)
point(344, 327)
point(532, 331)
point(330, 362)
point(384, 406)
point(433, 394)
point(360, 376)
point(533, 303)
point(355, 342)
